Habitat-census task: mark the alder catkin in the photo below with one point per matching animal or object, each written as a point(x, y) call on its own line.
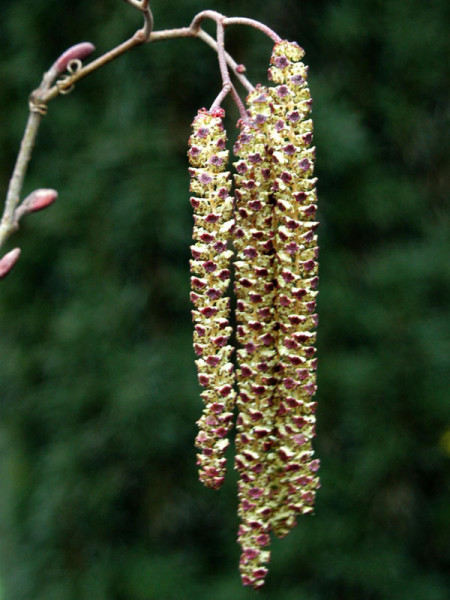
point(213, 222)
point(256, 330)
point(273, 226)
point(276, 281)
point(296, 266)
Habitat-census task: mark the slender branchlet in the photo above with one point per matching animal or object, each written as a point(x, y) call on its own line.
point(72, 60)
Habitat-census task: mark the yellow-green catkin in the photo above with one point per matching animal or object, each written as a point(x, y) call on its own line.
point(213, 222)
point(256, 330)
point(296, 266)
point(276, 282)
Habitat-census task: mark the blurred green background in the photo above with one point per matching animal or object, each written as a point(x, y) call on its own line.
point(99, 498)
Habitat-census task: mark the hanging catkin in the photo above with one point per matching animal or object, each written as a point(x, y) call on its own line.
point(275, 284)
point(213, 221)
point(296, 254)
point(257, 375)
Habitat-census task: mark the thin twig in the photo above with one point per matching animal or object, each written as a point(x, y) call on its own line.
point(47, 91)
point(8, 223)
point(239, 104)
point(205, 37)
point(144, 7)
point(218, 17)
point(206, 14)
point(221, 53)
point(38, 107)
point(170, 34)
point(252, 23)
point(226, 89)
point(227, 85)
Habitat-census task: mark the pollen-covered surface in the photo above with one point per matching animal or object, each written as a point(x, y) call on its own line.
point(296, 252)
point(276, 281)
point(275, 268)
point(256, 332)
point(213, 222)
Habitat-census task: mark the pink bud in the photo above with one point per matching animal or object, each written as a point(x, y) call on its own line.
point(79, 51)
point(37, 200)
point(8, 262)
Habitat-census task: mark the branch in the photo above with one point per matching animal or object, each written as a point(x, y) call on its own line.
point(238, 70)
point(71, 60)
point(218, 17)
point(140, 37)
point(226, 81)
point(252, 23)
point(8, 223)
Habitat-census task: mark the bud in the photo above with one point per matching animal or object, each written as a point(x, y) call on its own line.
point(38, 200)
point(8, 262)
point(78, 52)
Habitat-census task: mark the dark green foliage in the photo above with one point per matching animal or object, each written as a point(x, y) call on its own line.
point(98, 394)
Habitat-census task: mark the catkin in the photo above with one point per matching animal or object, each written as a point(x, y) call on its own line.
point(276, 281)
point(296, 266)
point(256, 330)
point(213, 222)
point(273, 225)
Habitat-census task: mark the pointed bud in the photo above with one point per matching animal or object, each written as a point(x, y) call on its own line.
point(38, 200)
point(79, 51)
point(8, 262)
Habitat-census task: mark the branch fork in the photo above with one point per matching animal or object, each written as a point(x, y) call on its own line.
point(68, 69)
